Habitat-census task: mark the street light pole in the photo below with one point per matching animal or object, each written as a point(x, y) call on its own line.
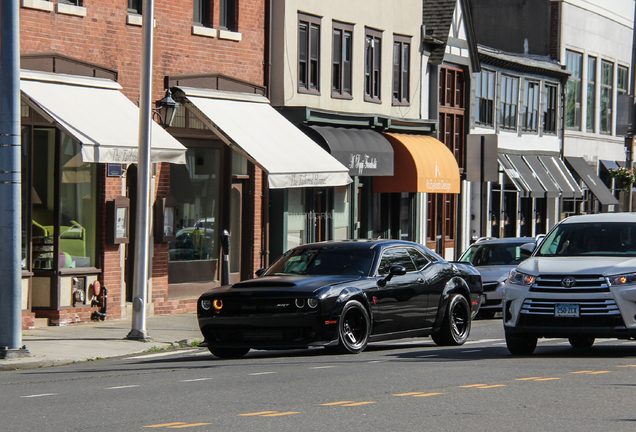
point(629, 136)
point(10, 185)
point(142, 235)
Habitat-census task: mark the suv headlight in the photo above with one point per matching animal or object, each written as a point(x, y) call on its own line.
point(623, 279)
point(519, 278)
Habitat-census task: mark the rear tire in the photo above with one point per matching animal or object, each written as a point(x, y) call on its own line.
point(581, 342)
point(521, 344)
point(229, 353)
point(354, 327)
point(456, 325)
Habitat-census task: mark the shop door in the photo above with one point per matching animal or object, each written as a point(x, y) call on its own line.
point(320, 215)
point(236, 231)
point(131, 193)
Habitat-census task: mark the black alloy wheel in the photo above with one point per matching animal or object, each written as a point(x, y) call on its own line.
point(229, 353)
point(456, 325)
point(520, 344)
point(353, 328)
point(581, 342)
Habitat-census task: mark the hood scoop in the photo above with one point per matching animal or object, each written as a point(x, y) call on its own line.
point(259, 283)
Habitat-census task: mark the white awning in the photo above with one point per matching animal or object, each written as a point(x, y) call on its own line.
point(252, 127)
point(98, 115)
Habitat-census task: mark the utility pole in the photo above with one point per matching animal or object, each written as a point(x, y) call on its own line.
point(629, 136)
point(142, 235)
point(10, 186)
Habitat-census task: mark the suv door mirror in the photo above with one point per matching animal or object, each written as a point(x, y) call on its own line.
point(527, 249)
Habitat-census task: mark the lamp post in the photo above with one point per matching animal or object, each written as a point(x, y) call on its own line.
point(166, 108)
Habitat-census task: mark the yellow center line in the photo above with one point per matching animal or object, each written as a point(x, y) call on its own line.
point(492, 386)
point(626, 365)
point(358, 403)
point(281, 414)
point(473, 385)
point(336, 403)
point(164, 425)
point(598, 372)
point(257, 413)
point(427, 394)
point(546, 379)
point(527, 379)
point(407, 394)
point(188, 425)
point(580, 372)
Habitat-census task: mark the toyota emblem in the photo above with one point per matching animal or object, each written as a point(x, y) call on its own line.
point(568, 282)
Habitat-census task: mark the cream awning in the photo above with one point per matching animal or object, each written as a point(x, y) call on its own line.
point(98, 115)
point(250, 125)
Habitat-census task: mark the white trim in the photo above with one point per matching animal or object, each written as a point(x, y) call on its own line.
point(69, 79)
point(38, 4)
point(134, 19)
point(67, 9)
point(218, 94)
point(230, 35)
point(203, 31)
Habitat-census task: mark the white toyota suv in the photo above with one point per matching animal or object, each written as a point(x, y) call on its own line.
point(579, 284)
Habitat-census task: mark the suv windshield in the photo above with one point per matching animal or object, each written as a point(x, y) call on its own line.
point(592, 239)
point(324, 261)
point(494, 254)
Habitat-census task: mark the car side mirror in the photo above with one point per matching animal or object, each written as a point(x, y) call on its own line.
point(260, 272)
point(396, 270)
point(527, 249)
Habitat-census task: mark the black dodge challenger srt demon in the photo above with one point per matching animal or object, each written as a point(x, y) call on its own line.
point(343, 295)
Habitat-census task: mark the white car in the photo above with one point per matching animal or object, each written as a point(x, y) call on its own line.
point(579, 284)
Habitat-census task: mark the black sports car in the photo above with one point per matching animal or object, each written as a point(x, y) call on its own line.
point(343, 294)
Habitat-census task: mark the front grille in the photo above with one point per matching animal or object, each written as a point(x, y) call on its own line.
point(582, 284)
point(260, 334)
point(490, 286)
point(249, 306)
point(593, 313)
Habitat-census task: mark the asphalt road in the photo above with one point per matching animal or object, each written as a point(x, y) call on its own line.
point(408, 385)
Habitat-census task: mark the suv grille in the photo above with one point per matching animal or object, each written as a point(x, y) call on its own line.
point(582, 284)
point(593, 313)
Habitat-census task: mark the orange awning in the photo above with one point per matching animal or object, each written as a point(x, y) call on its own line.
point(422, 164)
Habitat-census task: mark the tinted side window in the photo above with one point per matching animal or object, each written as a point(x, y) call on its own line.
point(420, 260)
point(393, 257)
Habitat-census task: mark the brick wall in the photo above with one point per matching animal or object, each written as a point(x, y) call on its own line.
point(104, 38)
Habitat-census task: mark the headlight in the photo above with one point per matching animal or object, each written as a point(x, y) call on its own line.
point(622, 279)
point(218, 304)
point(518, 278)
point(312, 303)
point(300, 303)
point(206, 304)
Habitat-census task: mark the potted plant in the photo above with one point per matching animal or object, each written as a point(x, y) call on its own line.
point(624, 177)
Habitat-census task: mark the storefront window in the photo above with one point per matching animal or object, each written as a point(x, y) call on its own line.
point(296, 218)
point(76, 193)
point(341, 216)
point(196, 187)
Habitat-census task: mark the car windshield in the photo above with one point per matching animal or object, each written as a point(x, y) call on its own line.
point(323, 261)
point(490, 254)
point(591, 239)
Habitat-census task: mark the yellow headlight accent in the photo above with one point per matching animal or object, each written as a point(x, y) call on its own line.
point(218, 304)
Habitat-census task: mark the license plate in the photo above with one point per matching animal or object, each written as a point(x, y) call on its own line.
point(566, 310)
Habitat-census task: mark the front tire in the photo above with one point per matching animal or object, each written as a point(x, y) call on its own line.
point(353, 328)
point(228, 353)
point(456, 325)
point(521, 344)
point(581, 342)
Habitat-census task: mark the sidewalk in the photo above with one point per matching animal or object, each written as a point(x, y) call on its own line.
point(50, 346)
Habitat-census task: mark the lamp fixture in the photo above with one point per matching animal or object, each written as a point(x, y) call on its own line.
point(166, 109)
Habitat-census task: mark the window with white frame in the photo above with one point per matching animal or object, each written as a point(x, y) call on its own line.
point(573, 64)
point(531, 106)
point(508, 102)
point(485, 97)
point(550, 109)
point(607, 90)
